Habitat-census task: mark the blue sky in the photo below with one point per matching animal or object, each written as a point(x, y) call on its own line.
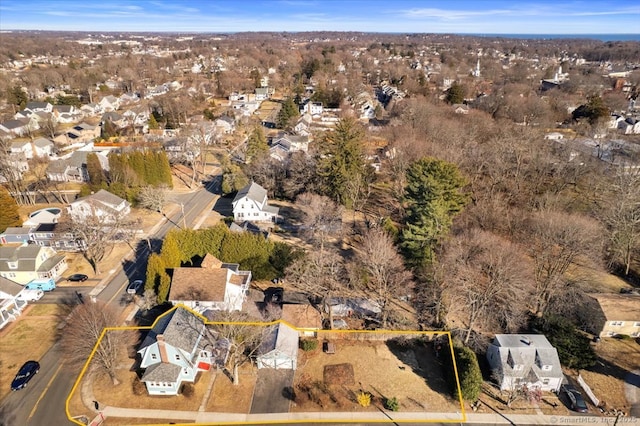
point(425, 16)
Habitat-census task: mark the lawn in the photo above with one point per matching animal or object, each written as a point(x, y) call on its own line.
point(30, 336)
point(229, 398)
point(413, 375)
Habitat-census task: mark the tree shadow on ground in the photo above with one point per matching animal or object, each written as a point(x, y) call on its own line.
point(223, 206)
point(420, 355)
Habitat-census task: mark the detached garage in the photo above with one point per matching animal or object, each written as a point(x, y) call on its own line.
point(279, 349)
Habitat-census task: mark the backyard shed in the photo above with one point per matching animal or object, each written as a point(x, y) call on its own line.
point(279, 349)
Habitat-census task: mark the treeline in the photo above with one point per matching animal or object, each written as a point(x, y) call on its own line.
point(264, 258)
point(128, 172)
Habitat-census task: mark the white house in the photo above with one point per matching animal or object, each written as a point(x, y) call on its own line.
point(22, 147)
point(313, 108)
point(215, 286)
point(11, 306)
point(102, 205)
point(225, 124)
point(519, 360)
point(177, 347)
point(39, 106)
point(251, 204)
point(42, 147)
point(279, 350)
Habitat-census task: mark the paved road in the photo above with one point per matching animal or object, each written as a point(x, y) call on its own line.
point(43, 402)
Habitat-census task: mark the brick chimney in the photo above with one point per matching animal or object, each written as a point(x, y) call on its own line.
point(164, 358)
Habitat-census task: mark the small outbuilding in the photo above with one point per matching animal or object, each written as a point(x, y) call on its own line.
point(279, 349)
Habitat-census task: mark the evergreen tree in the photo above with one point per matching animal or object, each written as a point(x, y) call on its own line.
point(95, 171)
point(455, 94)
point(163, 288)
point(163, 169)
point(16, 96)
point(170, 252)
point(153, 123)
point(9, 213)
point(151, 168)
point(135, 160)
point(155, 269)
point(433, 196)
point(288, 111)
point(256, 144)
point(343, 160)
point(108, 130)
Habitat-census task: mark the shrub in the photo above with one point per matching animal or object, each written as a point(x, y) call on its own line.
point(391, 404)
point(138, 387)
point(364, 399)
point(308, 345)
point(187, 390)
point(469, 373)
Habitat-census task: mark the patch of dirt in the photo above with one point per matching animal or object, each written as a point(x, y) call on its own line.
point(339, 375)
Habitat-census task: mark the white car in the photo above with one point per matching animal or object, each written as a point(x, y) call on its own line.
point(135, 287)
point(30, 295)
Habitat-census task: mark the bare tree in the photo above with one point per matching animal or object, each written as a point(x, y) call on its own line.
point(556, 240)
point(619, 210)
point(489, 279)
point(99, 234)
point(50, 126)
point(244, 335)
point(322, 274)
point(386, 277)
point(322, 217)
point(84, 327)
point(153, 198)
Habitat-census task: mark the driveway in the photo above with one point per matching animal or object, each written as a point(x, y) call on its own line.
point(632, 392)
point(272, 388)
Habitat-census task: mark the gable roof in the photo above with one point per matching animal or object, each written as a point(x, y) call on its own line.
point(25, 256)
point(9, 287)
point(253, 192)
point(103, 197)
point(42, 142)
point(301, 316)
point(619, 307)
point(526, 350)
point(282, 339)
point(180, 328)
point(199, 284)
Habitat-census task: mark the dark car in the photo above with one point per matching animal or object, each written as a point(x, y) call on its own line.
point(78, 277)
point(26, 373)
point(576, 401)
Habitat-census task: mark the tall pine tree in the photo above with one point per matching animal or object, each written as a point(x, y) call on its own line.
point(433, 197)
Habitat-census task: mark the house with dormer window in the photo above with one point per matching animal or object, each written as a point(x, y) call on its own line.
point(251, 204)
point(176, 349)
point(26, 263)
point(529, 360)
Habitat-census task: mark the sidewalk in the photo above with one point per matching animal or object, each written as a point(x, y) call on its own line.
point(222, 418)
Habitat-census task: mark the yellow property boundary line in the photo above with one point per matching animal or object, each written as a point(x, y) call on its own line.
point(265, 324)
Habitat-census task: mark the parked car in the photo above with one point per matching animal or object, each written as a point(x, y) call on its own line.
point(576, 401)
point(26, 373)
point(134, 287)
point(77, 277)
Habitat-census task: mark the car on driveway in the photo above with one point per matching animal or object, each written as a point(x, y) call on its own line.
point(26, 373)
point(134, 287)
point(77, 277)
point(576, 401)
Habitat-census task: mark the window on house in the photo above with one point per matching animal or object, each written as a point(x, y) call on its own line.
point(154, 356)
point(636, 324)
point(617, 323)
point(256, 214)
point(546, 367)
point(545, 381)
point(177, 357)
point(242, 206)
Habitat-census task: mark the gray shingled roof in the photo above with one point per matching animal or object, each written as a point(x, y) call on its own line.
point(24, 255)
point(9, 287)
point(104, 197)
point(252, 191)
point(42, 142)
point(161, 372)
point(180, 328)
point(523, 349)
